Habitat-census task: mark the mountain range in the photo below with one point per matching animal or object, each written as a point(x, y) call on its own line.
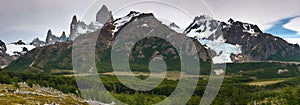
point(215, 41)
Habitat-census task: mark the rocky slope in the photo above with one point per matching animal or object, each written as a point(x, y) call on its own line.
point(5, 59)
point(50, 39)
point(56, 52)
point(104, 15)
point(238, 41)
point(78, 27)
point(259, 46)
point(45, 59)
point(220, 42)
point(58, 56)
point(137, 24)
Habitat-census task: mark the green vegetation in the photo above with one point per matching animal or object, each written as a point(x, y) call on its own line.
point(35, 95)
point(244, 83)
point(64, 84)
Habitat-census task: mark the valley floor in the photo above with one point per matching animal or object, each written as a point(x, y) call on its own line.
point(25, 95)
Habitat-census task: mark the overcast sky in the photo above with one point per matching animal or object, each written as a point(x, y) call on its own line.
point(27, 19)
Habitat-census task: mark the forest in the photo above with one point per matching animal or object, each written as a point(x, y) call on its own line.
point(244, 83)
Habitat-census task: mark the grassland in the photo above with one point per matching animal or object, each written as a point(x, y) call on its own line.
point(25, 95)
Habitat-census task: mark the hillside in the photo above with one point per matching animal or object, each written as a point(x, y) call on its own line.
point(237, 42)
point(9, 94)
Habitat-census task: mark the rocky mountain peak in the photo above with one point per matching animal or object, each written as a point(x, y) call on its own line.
point(121, 22)
point(52, 39)
point(78, 27)
point(245, 27)
point(204, 27)
point(37, 42)
point(231, 21)
point(2, 47)
point(73, 28)
point(203, 17)
point(63, 37)
point(104, 15)
point(74, 20)
point(49, 37)
point(243, 41)
point(174, 25)
point(20, 42)
point(49, 32)
point(141, 24)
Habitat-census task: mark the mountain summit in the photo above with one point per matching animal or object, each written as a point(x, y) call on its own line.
point(104, 15)
point(216, 41)
point(238, 41)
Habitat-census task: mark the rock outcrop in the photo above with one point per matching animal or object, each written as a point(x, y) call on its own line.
point(73, 28)
point(243, 42)
point(50, 39)
point(38, 43)
point(104, 15)
point(5, 59)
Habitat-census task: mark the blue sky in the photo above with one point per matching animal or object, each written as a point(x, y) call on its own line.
point(278, 29)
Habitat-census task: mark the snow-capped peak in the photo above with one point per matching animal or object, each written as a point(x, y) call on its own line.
point(17, 50)
point(122, 21)
point(205, 27)
point(208, 32)
point(205, 17)
point(82, 28)
point(171, 25)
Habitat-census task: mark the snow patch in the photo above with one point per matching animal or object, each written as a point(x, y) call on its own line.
point(248, 28)
point(204, 28)
point(223, 50)
point(122, 21)
point(219, 72)
point(145, 25)
point(90, 28)
point(12, 49)
point(168, 23)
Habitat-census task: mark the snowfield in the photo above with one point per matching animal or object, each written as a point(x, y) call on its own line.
point(223, 50)
point(11, 48)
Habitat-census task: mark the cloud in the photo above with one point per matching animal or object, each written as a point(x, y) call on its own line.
point(260, 12)
point(278, 28)
point(27, 19)
point(293, 40)
point(294, 24)
point(41, 15)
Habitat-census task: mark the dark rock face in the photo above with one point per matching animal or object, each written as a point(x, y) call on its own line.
point(73, 28)
point(174, 25)
point(255, 45)
point(5, 59)
point(206, 27)
point(49, 38)
point(2, 47)
point(63, 37)
point(20, 42)
point(155, 44)
point(78, 28)
point(104, 15)
point(60, 54)
point(52, 39)
point(38, 43)
point(259, 46)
